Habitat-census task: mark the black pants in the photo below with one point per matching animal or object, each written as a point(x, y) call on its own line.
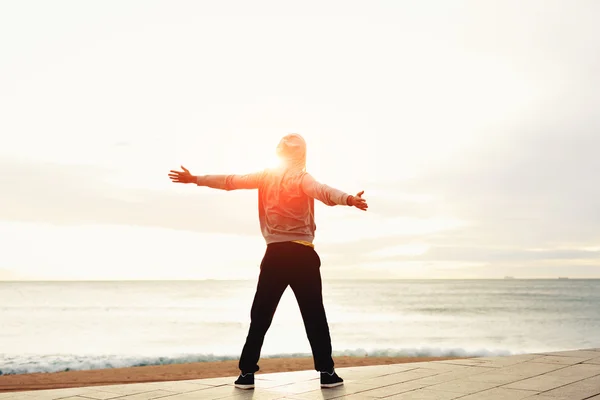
point(298, 266)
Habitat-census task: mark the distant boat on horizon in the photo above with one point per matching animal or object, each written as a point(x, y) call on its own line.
point(509, 277)
point(563, 277)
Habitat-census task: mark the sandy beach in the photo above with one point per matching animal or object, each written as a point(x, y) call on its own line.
point(175, 372)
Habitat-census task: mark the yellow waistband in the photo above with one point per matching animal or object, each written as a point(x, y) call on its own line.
point(309, 244)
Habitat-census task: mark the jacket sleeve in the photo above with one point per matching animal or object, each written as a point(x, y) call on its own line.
point(231, 182)
point(322, 192)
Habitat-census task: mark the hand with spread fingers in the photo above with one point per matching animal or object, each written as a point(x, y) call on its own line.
point(358, 202)
point(182, 176)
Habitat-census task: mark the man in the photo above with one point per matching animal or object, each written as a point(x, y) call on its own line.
point(286, 212)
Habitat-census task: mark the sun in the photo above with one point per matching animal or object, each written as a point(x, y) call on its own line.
point(274, 161)
point(255, 157)
point(265, 160)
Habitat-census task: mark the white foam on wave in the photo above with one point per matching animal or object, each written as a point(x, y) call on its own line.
point(23, 364)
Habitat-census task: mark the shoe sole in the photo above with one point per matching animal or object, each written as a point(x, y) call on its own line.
point(331, 385)
point(239, 386)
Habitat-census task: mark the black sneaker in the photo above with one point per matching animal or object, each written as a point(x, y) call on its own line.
point(329, 380)
point(245, 381)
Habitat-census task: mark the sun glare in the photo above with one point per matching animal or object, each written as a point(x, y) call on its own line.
point(257, 163)
point(273, 162)
point(255, 156)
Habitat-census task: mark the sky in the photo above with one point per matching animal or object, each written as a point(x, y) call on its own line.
point(472, 126)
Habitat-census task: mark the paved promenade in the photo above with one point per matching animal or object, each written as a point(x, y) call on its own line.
point(566, 375)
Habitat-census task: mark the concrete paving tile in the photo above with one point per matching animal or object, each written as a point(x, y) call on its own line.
point(326, 393)
point(53, 394)
point(463, 386)
point(355, 378)
point(358, 376)
point(389, 368)
point(451, 375)
point(486, 363)
point(528, 369)
point(400, 377)
point(493, 377)
point(340, 391)
point(276, 384)
point(18, 395)
point(593, 361)
point(127, 389)
point(297, 388)
point(316, 396)
point(27, 396)
point(578, 390)
point(99, 395)
point(296, 376)
point(542, 397)
point(425, 394)
point(310, 396)
point(466, 361)
point(541, 383)
point(579, 370)
point(370, 372)
point(156, 394)
point(215, 381)
point(82, 397)
point(21, 396)
point(439, 365)
point(252, 395)
point(561, 360)
point(511, 360)
point(500, 394)
point(73, 398)
point(357, 396)
point(402, 366)
point(218, 392)
point(179, 387)
point(574, 353)
point(391, 390)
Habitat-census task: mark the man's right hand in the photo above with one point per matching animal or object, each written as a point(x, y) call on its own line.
point(182, 177)
point(358, 202)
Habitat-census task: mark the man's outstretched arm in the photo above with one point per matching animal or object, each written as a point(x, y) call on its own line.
point(331, 196)
point(223, 182)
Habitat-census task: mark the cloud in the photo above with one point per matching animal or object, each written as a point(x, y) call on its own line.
point(7, 275)
point(495, 255)
point(534, 187)
point(48, 251)
point(405, 250)
point(57, 194)
point(537, 186)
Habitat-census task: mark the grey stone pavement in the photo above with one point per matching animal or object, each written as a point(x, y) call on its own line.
point(565, 375)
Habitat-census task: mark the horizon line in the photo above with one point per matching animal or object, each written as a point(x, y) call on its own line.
point(336, 279)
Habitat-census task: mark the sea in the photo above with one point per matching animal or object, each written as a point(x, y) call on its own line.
point(82, 325)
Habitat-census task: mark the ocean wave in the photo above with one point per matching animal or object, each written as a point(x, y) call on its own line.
point(24, 364)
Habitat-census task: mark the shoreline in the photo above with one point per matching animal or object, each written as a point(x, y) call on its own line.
point(176, 372)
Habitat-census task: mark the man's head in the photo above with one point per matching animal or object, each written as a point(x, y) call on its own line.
point(292, 151)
